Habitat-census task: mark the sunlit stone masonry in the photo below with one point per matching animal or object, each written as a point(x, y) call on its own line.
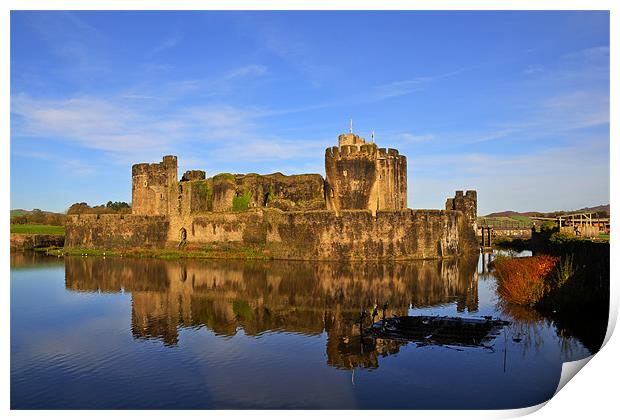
point(358, 211)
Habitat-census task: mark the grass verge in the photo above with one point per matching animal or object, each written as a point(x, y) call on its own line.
point(38, 229)
point(212, 252)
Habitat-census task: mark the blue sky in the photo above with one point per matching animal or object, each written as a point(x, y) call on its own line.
point(512, 104)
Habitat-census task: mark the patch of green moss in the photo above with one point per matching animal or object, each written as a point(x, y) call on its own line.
point(242, 202)
point(224, 177)
point(203, 195)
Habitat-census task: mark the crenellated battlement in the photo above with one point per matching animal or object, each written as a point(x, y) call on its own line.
point(350, 139)
point(147, 168)
point(151, 184)
point(167, 163)
point(368, 149)
point(472, 195)
point(141, 168)
point(466, 203)
point(193, 175)
point(361, 175)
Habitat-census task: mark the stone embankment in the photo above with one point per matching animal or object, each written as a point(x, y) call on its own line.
point(22, 241)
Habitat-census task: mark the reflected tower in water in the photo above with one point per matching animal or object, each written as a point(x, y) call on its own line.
point(258, 296)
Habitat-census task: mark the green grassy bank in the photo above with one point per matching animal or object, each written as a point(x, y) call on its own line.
point(212, 252)
point(38, 229)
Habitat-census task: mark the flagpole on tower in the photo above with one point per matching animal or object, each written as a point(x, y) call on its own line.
point(351, 125)
point(373, 136)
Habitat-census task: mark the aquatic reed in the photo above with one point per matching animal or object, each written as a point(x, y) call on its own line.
point(524, 281)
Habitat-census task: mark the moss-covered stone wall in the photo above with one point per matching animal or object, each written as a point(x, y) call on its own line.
point(228, 192)
point(23, 241)
point(325, 235)
point(115, 231)
point(309, 235)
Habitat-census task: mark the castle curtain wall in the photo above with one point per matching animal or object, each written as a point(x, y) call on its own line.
point(115, 231)
point(279, 216)
point(314, 235)
point(325, 235)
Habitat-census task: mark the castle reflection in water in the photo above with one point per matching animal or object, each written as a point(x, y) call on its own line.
point(264, 296)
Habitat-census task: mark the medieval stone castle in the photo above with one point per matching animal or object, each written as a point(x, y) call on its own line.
point(359, 176)
point(359, 211)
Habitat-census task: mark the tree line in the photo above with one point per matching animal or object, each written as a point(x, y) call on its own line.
point(112, 207)
point(39, 217)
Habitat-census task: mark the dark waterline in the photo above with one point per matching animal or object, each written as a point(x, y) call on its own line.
point(123, 333)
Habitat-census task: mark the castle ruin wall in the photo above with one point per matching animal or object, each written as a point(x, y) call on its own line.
point(359, 211)
point(309, 235)
point(152, 186)
point(325, 235)
point(115, 231)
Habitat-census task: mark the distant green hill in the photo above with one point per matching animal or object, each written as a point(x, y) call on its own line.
point(21, 212)
point(524, 219)
point(515, 220)
point(21, 219)
point(603, 209)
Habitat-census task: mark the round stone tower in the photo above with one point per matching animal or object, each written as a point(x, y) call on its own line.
point(361, 176)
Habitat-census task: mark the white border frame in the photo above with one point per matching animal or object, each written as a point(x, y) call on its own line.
point(592, 395)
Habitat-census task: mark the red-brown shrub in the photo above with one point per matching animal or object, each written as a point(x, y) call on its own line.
point(523, 280)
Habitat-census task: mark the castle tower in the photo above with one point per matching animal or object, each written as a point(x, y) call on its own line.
point(468, 204)
point(152, 186)
point(360, 176)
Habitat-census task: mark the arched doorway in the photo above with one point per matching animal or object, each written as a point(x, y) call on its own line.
point(182, 238)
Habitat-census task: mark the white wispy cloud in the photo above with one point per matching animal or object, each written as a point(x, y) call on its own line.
point(584, 66)
point(72, 40)
point(91, 123)
point(134, 96)
point(399, 88)
point(249, 70)
point(490, 135)
point(413, 138)
point(158, 67)
point(405, 87)
point(533, 70)
point(74, 166)
point(590, 55)
point(167, 43)
point(556, 115)
point(210, 87)
point(551, 177)
point(577, 109)
point(290, 46)
point(130, 132)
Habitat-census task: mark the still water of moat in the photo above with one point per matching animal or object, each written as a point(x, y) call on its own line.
point(137, 333)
